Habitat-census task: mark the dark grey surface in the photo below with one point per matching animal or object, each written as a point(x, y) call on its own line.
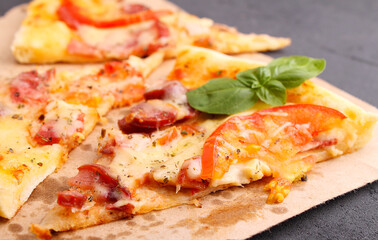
point(345, 33)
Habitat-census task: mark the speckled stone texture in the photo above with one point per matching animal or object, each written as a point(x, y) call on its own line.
point(345, 33)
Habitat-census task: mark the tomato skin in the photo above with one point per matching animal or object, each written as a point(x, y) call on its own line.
point(72, 15)
point(208, 164)
point(169, 136)
point(316, 119)
point(134, 8)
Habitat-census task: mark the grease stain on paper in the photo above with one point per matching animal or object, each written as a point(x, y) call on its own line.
point(131, 223)
point(93, 238)
point(46, 192)
point(279, 210)
point(15, 228)
point(149, 217)
point(125, 233)
point(158, 223)
point(86, 147)
point(24, 236)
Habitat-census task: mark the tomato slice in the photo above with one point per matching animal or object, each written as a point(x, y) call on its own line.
point(134, 8)
point(273, 135)
point(73, 16)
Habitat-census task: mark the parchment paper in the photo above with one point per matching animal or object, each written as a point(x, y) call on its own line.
point(231, 214)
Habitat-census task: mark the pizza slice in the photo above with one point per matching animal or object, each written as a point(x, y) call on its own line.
point(92, 31)
point(187, 29)
point(22, 165)
point(44, 115)
point(166, 154)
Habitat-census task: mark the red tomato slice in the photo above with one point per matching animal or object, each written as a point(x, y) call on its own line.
point(171, 135)
point(274, 135)
point(73, 16)
point(134, 8)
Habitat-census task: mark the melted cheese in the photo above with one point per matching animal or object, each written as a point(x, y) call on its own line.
point(64, 117)
point(140, 155)
point(243, 173)
point(107, 37)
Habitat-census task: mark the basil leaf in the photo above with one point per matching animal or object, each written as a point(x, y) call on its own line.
point(254, 78)
point(273, 93)
point(293, 71)
point(269, 84)
point(222, 96)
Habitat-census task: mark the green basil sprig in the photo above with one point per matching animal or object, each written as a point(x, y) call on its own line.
point(268, 83)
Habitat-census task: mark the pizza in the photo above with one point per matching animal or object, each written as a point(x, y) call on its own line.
point(163, 153)
point(44, 115)
point(93, 31)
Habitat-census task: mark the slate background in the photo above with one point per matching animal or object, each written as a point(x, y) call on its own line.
point(345, 33)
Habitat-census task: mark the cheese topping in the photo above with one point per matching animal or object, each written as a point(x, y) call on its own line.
point(105, 37)
point(243, 173)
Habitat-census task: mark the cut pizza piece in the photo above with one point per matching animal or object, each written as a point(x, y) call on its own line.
point(32, 148)
point(64, 124)
point(92, 31)
point(116, 84)
point(88, 31)
point(164, 161)
point(187, 29)
point(138, 173)
point(50, 113)
point(196, 66)
point(22, 165)
point(26, 94)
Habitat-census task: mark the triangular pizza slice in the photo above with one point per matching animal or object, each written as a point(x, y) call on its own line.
point(93, 31)
point(166, 154)
point(44, 115)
